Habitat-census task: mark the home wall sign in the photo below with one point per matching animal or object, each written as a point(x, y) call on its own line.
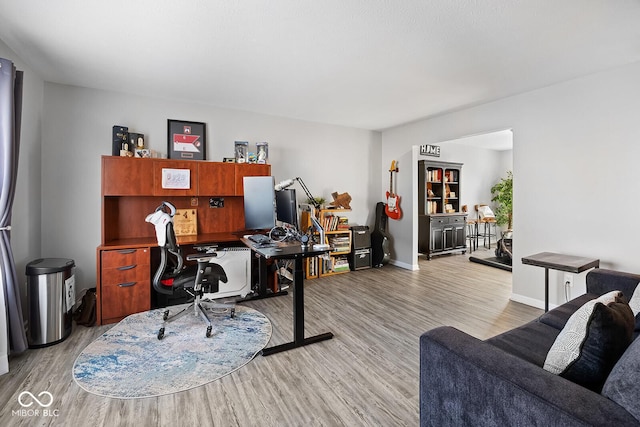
point(430, 150)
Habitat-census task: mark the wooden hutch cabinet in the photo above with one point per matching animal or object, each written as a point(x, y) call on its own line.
point(131, 189)
point(441, 224)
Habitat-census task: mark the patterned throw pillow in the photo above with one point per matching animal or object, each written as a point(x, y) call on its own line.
point(592, 341)
point(634, 303)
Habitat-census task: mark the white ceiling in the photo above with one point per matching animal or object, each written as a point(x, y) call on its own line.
point(369, 64)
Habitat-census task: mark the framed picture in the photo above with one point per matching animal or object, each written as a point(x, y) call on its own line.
point(186, 140)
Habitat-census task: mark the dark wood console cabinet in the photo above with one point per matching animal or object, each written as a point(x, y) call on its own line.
point(441, 234)
point(131, 189)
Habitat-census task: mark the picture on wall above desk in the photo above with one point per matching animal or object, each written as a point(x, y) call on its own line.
point(186, 140)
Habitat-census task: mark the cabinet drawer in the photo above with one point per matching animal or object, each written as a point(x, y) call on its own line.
point(120, 301)
point(125, 274)
point(439, 220)
point(125, 257)
point(457, 220)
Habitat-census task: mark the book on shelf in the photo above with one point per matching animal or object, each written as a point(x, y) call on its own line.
point(434, 175)
point(335, 222)
point(432, 207)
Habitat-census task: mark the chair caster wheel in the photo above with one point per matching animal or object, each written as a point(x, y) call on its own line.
point(233, 313)
point(165, 316)
point(161, 333)
point(208, 331)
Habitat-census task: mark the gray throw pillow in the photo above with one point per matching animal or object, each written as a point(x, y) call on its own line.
point(623, 384)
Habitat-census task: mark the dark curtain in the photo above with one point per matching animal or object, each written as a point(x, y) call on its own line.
point(10, 118)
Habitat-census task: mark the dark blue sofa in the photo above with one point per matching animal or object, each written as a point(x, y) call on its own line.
point(501, 382)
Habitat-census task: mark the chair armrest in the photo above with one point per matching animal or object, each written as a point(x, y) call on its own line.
point(600, 281)
point(201, 257)
point(465, 381)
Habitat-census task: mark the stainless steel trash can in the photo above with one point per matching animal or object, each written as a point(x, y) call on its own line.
point(50, 296)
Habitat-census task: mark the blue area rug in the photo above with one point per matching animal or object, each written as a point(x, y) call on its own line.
point(129, 361)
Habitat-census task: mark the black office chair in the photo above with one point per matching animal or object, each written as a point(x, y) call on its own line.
point(172, 276)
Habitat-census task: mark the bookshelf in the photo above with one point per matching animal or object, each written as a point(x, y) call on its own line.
point(338, 235)
point(441, 224)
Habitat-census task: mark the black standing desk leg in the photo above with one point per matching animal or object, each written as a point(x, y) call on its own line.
point(298, 317)
point(546, 289)
point(298, 302)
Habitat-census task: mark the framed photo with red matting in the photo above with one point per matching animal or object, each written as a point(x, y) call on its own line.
point(186, 140)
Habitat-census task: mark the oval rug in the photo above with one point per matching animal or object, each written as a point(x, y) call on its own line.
point(128, 361)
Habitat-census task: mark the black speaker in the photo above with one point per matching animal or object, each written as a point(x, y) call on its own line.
point(360, 237)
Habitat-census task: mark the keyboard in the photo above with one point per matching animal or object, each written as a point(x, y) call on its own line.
point(259, 238)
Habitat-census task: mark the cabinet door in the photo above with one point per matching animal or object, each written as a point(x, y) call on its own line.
point(242, 170)
point(216, 179)
point(459, 236)
point(126, 176)
point(448, 236)
point(166, 165)
point(437, 238)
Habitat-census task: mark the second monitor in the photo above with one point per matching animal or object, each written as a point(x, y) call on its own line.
point(287, 207)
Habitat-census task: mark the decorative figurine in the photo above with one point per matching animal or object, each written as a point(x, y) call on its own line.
point(241, 151)
point(263, 152)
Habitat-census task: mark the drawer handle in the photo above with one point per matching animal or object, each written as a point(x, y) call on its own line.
point(126, 251)
point(127, 284)
point(127, 267)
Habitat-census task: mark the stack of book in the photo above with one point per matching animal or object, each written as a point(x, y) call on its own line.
point(340, 264)
point(340, 243)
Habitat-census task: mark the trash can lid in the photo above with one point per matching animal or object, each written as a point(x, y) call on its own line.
point(49, 265)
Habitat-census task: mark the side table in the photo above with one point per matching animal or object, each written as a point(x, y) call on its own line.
point(560, 262)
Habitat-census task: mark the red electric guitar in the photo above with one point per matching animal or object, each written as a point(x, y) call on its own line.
point(392, 208)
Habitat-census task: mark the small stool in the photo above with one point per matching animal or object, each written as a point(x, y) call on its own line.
point(488, 231)
point(472, 238)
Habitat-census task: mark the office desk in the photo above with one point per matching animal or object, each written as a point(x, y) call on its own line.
point(295, 252)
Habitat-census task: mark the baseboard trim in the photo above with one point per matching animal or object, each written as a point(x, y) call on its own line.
point(404, 265)
point(533, 302)
point(4, 364)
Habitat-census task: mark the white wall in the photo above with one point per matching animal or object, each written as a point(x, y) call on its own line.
point(575, 155)
point(77, 131)
point(25, 223)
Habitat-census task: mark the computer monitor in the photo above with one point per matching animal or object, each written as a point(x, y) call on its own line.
point(287, 207)
point(259, 202)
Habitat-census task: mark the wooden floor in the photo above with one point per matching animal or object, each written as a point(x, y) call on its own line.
point(367, 375)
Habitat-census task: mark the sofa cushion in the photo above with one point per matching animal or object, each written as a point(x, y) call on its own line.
point(559, 316)
point(591, 342)
point(623, 384)
point(530, 342)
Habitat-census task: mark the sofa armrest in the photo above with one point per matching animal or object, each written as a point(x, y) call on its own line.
point(465, 381)
point(600, 281)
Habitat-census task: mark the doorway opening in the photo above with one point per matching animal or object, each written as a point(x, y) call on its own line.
point(486, 159)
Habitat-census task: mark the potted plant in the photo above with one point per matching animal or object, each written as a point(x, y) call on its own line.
point(502, 194)
point(318, 201)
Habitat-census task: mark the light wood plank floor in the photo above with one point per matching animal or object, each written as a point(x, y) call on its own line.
point(367, 375)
